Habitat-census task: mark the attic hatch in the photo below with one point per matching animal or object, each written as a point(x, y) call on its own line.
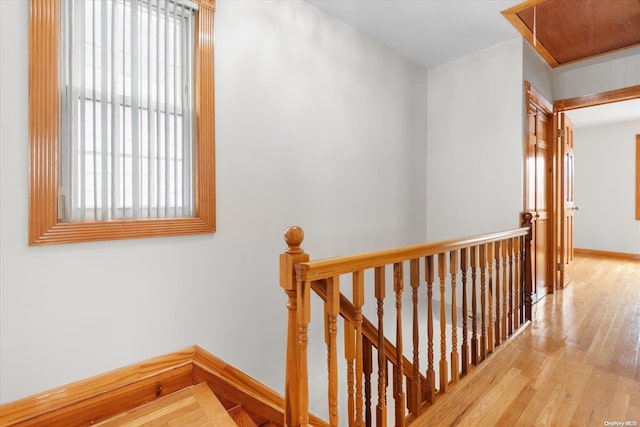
point(572, 30)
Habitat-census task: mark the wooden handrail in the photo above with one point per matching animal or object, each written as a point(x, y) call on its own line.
point(323, 269)
point(492, 270)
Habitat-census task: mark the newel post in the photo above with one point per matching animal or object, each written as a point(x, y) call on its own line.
point(527, 276)
point(295, 410)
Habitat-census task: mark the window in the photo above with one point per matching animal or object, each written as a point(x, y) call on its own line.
point(126, 109)
point(121, 119)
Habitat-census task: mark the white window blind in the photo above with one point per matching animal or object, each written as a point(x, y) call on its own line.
point(127, 123)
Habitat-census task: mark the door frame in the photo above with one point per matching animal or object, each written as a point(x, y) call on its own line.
point(563, 268)
point(563, 105)
point(532, 96)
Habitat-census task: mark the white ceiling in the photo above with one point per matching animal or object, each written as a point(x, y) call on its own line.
point(428, 32)
point(433, 32)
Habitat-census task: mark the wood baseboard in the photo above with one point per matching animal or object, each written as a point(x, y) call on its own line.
point(98, 398)
point(608, 254)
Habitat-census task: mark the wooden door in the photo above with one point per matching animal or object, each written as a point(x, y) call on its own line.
point(567, 206)
point(537, 194)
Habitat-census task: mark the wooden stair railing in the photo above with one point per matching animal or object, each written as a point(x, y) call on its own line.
point(487, 277)
point(369, 331)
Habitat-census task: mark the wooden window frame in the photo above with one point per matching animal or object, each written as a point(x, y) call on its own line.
point(44, 141)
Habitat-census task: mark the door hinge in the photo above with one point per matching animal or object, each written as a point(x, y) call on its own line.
point(560, 267)
point(561, 133)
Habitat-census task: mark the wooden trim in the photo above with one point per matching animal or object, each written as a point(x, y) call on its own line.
point(43, 117)
point(638, 177)
point(231, 396)
point(104, 396)
point(558, 203)
point(536, 98)
point(616, 95)
point(511, 15)
point(608, 254)
point(216, 413)
point(211, 363)
point(205, 115)
point(332, 267)
point(211, 4)
point(562, 105)
point(44, 167)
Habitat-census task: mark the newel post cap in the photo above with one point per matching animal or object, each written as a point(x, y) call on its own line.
point(294, 236)
point(292, 256)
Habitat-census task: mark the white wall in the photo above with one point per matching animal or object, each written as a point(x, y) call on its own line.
point(602, 74)
point(605, 188)
point(537, 72)
point(475, 131)
point(316, 125)
point(604, 155)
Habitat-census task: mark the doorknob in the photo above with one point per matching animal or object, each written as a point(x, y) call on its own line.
point(576, 208)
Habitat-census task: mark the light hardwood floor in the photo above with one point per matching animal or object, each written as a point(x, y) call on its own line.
point(192, 406)
point(578, 364)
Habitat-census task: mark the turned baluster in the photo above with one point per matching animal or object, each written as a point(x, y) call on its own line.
point(465, 344)
point(522, 274)
point(455, 358)
point(350, 357)
point(332, 309)
point(367, 365)
point(483, 302)
point(415, 395)
point(474, 306)
point(398, 389)
point(358, 301)
point(304, 317)
point(505, 284)
point(490, 302)
point(381, 409)
point(527, 284)
point(295, 377)
point(511, 274)
point(429, 276)
point(444, 375)
point(498, 251)
point(516, 282)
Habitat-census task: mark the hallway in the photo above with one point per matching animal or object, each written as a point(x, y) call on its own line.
point(578, 364)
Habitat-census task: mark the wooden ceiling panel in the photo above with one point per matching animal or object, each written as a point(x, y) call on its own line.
point(565, 31)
